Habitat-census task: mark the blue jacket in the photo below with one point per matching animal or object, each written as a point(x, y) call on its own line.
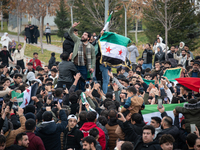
point(50, 132)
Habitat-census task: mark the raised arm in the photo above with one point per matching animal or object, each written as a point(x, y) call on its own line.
point(71, 32)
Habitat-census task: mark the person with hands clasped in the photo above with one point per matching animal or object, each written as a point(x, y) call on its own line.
point(144, 142)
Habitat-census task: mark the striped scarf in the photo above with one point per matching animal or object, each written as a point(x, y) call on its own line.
point(81, 55)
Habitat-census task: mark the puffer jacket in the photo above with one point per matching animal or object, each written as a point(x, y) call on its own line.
point(191, 113)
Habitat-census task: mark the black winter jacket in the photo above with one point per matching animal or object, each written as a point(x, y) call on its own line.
point(72, 139)
point(137, 139)
point(68, 44)
point(50, 132)
point(149, 55)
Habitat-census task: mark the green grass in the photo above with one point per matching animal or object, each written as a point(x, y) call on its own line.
point(5, 29)
point(53, 38)
point(30, 49)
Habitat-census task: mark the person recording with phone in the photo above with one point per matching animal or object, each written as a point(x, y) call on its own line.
point(36, 62)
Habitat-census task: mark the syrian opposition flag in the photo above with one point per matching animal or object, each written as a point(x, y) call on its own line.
point(84, 101)
point(152, 111)
point(107, 22)
point(191, 83)
point(113, 48)
point(23, 99)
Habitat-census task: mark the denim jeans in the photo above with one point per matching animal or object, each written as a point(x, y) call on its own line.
point(83, 71)
point(145, 66)
point(105, 77)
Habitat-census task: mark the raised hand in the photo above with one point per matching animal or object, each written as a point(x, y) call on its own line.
point(75, 24)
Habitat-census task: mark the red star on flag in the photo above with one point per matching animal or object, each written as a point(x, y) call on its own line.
point(120, 52)
point(26, 101)
point(108, 49)
point(181, 119)
point(146, 122)
point(27, 90)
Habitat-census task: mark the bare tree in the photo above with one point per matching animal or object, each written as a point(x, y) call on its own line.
point(170, 17)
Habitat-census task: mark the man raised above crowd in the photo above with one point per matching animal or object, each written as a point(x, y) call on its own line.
point(83, 54)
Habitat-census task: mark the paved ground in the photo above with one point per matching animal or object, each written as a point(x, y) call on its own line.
point(49, 47)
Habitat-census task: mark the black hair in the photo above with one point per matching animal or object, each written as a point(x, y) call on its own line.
point(18, 75)
point(148, 70)
point(157, 62)
point(2, 139)
point(125, 80)
point(191, 139)
point(104, 113)
point(30, 64)
point(17, 67)
point(183, 50)
point(89, 35)
point(137, 118)
point(179, 65)
point(73, 98)
point(90, 140)
point(91, 116)
point(119, 69)
point(75, 30)
point(108, 103)
point(5, 79)
point(109, 95)
point(149, 127)
point(20, 136)
point(182, 122)
point(47, 116)
point(4, 46)
point(83, 115)
point(165, 138)
point(30, 124)
point(103, 120)
point(168, 120)
point(64, 56)
point(132, 89)
point(112, 114)
point(58, 92)
point(127, 146)
point(147, 74)
point(168, 62)
point(157, 119)
point(22, 87)
point(94, 132)
point(35, 53)
point(40, 69)
point(37, 68)
point(41, 78)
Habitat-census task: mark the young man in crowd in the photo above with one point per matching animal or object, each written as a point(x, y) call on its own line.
point(36, 62)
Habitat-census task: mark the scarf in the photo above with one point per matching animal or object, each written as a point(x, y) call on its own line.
point(182, 46)
point(160, 53)
point(81, 55)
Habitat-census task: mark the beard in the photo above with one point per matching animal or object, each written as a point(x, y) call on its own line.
point(195, 69)
point(183, 55)
point(83, 40)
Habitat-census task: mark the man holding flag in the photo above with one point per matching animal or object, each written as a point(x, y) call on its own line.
point(83, 54)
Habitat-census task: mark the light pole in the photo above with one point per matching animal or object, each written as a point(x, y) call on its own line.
point(71, 4)
point(106, 12)
point(1, 16)
point(125, 9)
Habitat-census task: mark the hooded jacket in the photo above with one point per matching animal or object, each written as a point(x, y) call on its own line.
point(36, 32)
point(35, 142)
point(50, 132)
point(89, 125)
point(5, 40)
point(68, 44)
point(160, 56)
point(191, 113)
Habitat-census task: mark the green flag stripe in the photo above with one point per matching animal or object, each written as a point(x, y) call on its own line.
point(153, 108)
point(108, 20)
point(115, 39)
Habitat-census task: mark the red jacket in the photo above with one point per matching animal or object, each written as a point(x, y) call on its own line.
point(89, 125)
point(36, 63)
point(35, 142)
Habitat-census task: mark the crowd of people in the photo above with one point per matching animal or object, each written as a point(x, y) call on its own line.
point(80, 104)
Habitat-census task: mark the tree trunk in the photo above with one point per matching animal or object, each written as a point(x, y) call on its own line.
point(166, 29)
point(41, 34)
point(136, 31)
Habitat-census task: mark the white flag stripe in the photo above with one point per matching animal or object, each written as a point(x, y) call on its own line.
point(114, 52)
point(147, 117)
point(27, 96)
